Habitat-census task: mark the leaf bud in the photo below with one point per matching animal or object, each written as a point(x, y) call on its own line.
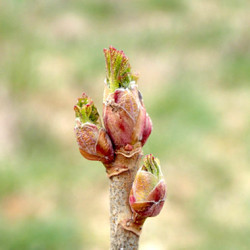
point(148, 191)
point(93, 141)
point(124, 114)
point(122, 117)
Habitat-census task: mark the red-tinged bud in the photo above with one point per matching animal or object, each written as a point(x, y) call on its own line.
point(148, 192)
point(124, 114)
point(94, 143)
point(122, 117)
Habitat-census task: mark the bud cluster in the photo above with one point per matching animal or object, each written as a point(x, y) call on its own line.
point(118, 142)
point(127, 125)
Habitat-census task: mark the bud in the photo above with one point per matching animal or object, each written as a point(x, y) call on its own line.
point(94, 143)
point(124, 114)
point(123, 117)
point(148, 191)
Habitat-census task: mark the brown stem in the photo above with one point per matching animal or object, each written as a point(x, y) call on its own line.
point(120, 186)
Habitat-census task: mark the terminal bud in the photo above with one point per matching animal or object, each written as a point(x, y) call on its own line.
point(124, 114)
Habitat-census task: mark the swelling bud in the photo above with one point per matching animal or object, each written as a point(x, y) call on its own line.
point(147, 195)
point(124, 114)
point(148, 191)
point(122, 117)
point(93, 141)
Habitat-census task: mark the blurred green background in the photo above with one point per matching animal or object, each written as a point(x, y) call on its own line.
point(193, 58)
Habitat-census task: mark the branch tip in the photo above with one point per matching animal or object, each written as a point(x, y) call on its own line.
point(118, 69)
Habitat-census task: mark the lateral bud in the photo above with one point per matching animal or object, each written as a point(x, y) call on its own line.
point(148, 193)
point(93, 141)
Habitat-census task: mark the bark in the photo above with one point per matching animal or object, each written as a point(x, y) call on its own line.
point(120, 212)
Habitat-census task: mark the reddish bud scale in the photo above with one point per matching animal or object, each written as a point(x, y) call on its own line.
point(152, 207)
point(146, 127)
point(148, 192)
point(120, 117)
point(94, 143)
point(125, 117)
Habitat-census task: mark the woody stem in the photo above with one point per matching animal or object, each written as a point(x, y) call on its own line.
point(120, 186)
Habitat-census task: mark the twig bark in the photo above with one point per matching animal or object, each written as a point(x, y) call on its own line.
point(120, 212)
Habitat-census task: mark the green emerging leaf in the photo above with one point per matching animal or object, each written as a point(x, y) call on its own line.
point(118, 69)
point(152, 165)
point(86, 111)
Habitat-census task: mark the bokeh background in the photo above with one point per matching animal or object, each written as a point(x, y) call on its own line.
point(193, 58)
